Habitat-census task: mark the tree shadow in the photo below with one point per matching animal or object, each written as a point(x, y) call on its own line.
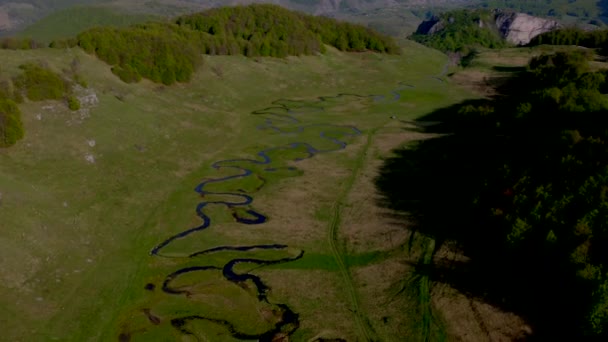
point(514, 69)
point(455, 187)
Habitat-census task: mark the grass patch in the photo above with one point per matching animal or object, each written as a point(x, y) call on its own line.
point(75, 227)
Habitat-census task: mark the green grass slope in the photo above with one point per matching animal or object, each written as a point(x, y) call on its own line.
point(87, 194)
point(168, 53)
point(69, 22)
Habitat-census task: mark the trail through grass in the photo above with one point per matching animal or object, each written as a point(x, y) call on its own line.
point(365, 330)
point(75, 234)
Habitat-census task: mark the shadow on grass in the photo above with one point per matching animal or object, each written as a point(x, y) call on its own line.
point(456, 188)
point(514, 69)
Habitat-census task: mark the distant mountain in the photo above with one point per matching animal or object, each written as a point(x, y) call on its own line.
point(18, 14)
point(396, 17)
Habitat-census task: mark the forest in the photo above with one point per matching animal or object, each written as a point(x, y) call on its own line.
point(519, 184)
point(573, 36)
point(159, 52)
point(169, 52)
point(463, 30)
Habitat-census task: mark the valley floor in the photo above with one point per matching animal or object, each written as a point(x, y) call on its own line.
point(87, 196)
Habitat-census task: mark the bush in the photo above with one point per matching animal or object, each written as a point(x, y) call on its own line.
point(40, 83)
point(73, 103)
point(11, 128)
point(7, 91)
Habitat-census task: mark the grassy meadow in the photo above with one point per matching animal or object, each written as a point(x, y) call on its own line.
point(88, 194)
point(69, 22)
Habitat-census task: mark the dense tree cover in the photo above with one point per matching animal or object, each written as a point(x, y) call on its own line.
point(573, 36)
point(268, 30)
point(521, 184)
point(160, 52)
point(462, 30)
point(168, 53)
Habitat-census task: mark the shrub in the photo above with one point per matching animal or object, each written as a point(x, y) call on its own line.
point(73, 102)
point(11, 128)
point(40, 83)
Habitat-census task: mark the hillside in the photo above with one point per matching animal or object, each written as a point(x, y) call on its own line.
point(89, 195)
point(169, 53)
point(568, 11)
point(389, 16)
point(254, 173)
point(69, 22)
point(521, 180)
point(460, 30)
point(397, 18)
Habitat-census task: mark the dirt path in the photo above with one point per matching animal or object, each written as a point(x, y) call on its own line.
point(366, 332)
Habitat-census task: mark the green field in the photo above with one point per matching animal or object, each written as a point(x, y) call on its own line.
point(88, 194)
point(67, 23)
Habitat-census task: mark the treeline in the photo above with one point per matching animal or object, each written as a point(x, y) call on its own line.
point(573, 36)
point(583, 9)
point(268, 30)
point(461, 31)
point(9, 43)
point(169, 52)
point(521, 185)
point(36, 82)
point(159, 52)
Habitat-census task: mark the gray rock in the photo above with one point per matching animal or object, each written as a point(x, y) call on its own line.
point(516, 28)
point(521, 28)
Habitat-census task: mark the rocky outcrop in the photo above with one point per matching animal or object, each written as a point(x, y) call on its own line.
point(516, 28)
point(5, 21)
point(520, 28)
point(430, 26)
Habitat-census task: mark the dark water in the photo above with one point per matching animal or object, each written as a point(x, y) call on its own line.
point(287, 118)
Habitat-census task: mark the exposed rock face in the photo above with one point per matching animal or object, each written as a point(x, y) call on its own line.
point(430, 26)
point(516, 28)
point(520, 28)
point(5, 21)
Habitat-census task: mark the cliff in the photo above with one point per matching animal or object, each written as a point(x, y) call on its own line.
point(521, 28)
point(515, 28)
